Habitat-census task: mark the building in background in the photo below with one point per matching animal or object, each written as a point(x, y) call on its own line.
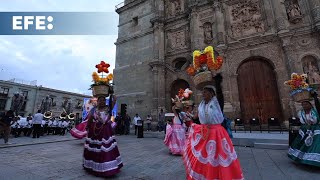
point(262, 42)
point(38, 97)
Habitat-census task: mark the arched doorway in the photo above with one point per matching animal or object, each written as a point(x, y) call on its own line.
point(177, 85)
point(258, 91)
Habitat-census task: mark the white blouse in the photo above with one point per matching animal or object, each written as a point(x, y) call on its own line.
point(210, 113)
point(176, 119)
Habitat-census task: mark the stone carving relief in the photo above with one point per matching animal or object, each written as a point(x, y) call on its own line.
point(293, 11)
point(207, 32)
point(311, 68)
point(176, 40)
point(174, 7)
point(246, 18)
point(304, 42)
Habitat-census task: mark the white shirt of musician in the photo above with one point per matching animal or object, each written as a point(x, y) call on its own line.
point(43, 123)
point(49, 123)
point(55, 123)
point(30, 123)
point(23, 122)
point(65, 124)
point(14, 124)
point(60, 124)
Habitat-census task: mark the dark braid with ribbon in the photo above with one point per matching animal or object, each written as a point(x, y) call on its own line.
point(218, 81)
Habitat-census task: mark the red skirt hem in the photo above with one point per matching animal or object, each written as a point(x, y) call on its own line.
point(210, 155)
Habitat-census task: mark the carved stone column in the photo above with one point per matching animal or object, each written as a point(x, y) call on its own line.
point(219, 22)
point(315, 12)
point(155, 86)
point(280, 15)
point(159, 58)
point(194, 29)
point(286, 45)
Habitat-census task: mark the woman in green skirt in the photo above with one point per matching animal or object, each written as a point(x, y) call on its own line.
point(305, 148)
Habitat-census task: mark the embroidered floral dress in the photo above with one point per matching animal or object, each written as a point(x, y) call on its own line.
point(305, 148)
point(209, 151)
point(101, 154)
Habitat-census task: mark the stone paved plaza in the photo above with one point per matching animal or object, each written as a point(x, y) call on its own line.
point(144, 158)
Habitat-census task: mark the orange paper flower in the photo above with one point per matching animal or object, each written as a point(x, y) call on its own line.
point(191, 71)
point(180, 94)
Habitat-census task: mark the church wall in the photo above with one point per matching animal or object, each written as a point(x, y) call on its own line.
point(276, 31)
point(132, 74)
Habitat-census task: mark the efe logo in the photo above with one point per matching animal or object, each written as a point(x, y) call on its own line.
point(23, 22)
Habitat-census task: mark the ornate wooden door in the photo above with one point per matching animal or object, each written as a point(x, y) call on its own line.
point(258, 91)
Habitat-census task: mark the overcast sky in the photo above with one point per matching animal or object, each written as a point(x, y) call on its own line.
point(59, 62)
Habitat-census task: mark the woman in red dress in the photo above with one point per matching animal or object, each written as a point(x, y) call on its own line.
point(209, 152)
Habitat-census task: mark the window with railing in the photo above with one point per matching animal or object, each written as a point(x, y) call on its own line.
point(4, 92)
point(25, 95)
point(3, 103)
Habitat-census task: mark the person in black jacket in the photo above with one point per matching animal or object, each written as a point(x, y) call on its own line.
point(5, 121)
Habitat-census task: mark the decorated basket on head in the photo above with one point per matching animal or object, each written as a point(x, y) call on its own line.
point(182, 99)
point(101, 83)
point(204, 66)
point(300, 90)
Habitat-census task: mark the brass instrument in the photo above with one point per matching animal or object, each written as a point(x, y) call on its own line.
point(71, 116)
point(47, 115)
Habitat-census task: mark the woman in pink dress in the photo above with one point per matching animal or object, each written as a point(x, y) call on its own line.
point(175, 133)
point(209, 151)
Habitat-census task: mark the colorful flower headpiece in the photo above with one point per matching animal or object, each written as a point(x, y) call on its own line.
point(182, 95)
point(102, 68)
point(297, 81)
point(204, 61)
point(298, 85)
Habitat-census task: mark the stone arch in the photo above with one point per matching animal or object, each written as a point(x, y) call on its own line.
point(176, 85)
point(258, 89)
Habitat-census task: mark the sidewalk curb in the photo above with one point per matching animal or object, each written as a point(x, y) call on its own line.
point(28, 144)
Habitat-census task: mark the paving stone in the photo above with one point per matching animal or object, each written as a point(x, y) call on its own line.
point(145, 158)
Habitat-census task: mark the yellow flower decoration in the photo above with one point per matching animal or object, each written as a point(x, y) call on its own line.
point(95, 77)
point(209, 50)
point(110, 77)
point(196, 53)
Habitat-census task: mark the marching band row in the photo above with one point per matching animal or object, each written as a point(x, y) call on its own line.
point(55, 126)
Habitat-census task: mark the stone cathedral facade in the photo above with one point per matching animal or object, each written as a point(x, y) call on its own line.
point(262, 43)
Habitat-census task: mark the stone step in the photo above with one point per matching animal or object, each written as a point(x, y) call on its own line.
point(271, 146)
point(250, 142)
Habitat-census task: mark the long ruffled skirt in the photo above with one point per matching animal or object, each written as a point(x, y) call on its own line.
point(175, 138)
point(101, 154)
point(210, 154)
point(79, 131)
point(305, 148)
